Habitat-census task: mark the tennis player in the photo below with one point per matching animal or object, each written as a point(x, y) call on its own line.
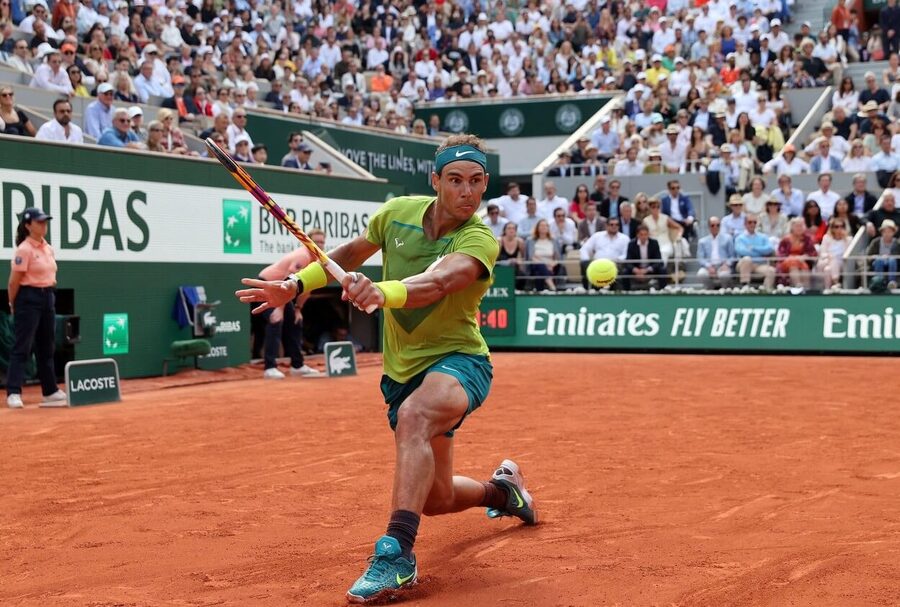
point(438, 258)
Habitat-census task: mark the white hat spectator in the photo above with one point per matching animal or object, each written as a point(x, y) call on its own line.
point(135, 110)
point(198, 27)
point(605, 120)
point(726, 148)
point(105, 87)
point(655, 58)
point(45, 49)
point(642, 76)
point(609, 80)
point(204, 50)
point(679, 60)
point(776, 22)
point(806, 24)
point(481, 17)
point(888, 224)
point(151, 48)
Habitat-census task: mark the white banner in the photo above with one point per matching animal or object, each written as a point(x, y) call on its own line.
point(123, 220)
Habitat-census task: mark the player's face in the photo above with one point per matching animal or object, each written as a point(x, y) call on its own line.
point(460, 187)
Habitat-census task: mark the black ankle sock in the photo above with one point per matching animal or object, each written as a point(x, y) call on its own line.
point(403, 527)
point(495, 496)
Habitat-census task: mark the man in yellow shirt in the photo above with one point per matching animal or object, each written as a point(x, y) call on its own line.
point(438, 259)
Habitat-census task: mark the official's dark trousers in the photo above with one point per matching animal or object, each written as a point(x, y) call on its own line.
point(35, 325)
point(287, 333)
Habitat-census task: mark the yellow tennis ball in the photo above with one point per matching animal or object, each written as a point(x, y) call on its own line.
point(601, 272)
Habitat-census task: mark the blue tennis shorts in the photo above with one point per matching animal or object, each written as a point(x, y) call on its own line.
point(473, 372)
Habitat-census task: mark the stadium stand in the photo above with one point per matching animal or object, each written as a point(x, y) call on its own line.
point(705, 84)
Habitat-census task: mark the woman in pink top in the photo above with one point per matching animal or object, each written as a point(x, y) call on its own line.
point(32, 302)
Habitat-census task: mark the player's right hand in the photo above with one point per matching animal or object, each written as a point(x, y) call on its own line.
point(270, 293)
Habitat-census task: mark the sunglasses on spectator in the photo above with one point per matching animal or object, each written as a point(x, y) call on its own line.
point(155, 130)
point(121, 119)
point(714, 225)
point(751, 223)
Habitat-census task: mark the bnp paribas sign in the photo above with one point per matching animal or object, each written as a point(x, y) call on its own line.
point(143, 221)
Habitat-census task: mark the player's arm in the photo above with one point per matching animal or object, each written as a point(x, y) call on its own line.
point(276, 293)
point(454, 273)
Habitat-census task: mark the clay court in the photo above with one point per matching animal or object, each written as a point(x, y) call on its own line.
point(660, 480)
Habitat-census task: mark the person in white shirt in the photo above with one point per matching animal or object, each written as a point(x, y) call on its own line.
point(551, 201)
point(825, 196)
point(563, 229)
point(630, 165)
point(50, 75)
point(786, 163)
point(761, 114)
point(61, 128)
point(494, 221)
point(837, 144)
point(512, 204)
point(608, 244)
point(778, 38)
point(673, 151)
point(378, 54)
point(21, 58)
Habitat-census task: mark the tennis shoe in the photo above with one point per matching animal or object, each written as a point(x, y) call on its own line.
point(57, 397)
point(388, 573)
point(519, 502)
point(273, 373)
point(14, 401)
point(305, 371)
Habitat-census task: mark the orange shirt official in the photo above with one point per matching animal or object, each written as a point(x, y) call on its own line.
point(37, 262)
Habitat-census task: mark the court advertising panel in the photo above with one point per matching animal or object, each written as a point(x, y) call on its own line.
point(809, 323)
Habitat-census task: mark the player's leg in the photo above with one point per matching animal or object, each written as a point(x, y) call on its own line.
point(451, 493)
point(273, 319)
point(432, 409)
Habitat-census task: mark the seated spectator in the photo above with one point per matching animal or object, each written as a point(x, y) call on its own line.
point(831, 253)
point(715, 254)
point(728, 167)
point(13, 121)
point(512, 252)
point(824, 161)
point(146, 83)
point(605, 139)
point(753, 250)
point(790, 197)
point(123, 88)
point(49, 74)
point(563, 166)
point(887, 210)
point(679, 207)
point(185, 107)
point(260, 153)
point(528, 222)
point(154, 137)
point(873, 92)
point(61, 128)
point(733, 223)
point(75, 78)
point(824, 196)
point(564, 230)
point(120, 135)
point(242, 149)
point(885, 162)
point(544, 257)
point(592, 222)
point(494, 221)
point(663, 229)
point(20, 59)
point(551, 200)
point(237, 127)
point(773, 223)
point(628, 223)
point(815, 224)
point(882, 254)
point(604, 244)
point(609, 205)
point(630, 165)
point(796, 253)
point(844, 123)
point(643, 267)
point(136, 115)
point(98, 114)
point(860, 200)
point(580, 201)
point(755, 200)
point(173, 138)
point(857, 160)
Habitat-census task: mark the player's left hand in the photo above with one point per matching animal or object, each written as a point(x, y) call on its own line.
point(361, 292)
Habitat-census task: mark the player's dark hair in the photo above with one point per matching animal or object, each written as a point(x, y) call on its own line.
point(21, 232)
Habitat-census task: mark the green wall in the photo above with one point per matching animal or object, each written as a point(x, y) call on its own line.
point(543, 117)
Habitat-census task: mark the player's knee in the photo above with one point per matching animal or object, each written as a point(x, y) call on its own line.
point(411, 422)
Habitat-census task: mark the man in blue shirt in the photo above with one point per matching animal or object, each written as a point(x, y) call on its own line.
point(120, 135)
point(885, 160)
point(753, 248)
point(98, 113)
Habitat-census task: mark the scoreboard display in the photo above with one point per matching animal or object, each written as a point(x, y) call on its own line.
point(496, 316)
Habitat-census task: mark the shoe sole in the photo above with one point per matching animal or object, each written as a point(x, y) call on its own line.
point(385, 596)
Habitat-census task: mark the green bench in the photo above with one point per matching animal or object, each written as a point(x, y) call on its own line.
point(184, 349)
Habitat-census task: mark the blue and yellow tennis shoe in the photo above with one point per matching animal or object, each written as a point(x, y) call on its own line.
point(388, 572)
point(519, 502)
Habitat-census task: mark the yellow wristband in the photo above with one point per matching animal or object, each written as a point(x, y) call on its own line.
point(311, 277)
point(394, 293)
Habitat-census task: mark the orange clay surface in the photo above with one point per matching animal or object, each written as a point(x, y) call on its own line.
point(660, 480)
